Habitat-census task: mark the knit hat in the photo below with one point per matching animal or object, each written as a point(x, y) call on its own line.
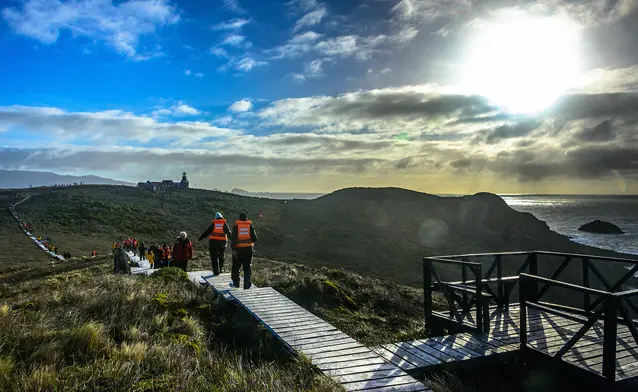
point(218, 215)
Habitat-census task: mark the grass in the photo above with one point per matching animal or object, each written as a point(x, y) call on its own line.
point(93, 330)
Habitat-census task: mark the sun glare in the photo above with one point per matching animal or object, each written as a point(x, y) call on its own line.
point(522, 63)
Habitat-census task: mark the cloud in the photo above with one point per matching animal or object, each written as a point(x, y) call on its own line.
point(107, 127)
point(219, 52)
point(118, 25)
point(187, 72)
point(247, 63)
point(233, 6)
point(314, 68)
point(199, 75)
point(233, 24)
point(241, 106)
point(306, 38)
point(312, 18)
point(297, 77)
point(236, 40)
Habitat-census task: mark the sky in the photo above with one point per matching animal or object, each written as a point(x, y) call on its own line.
point(440, 96)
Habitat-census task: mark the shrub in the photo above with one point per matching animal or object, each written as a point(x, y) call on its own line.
point(170, 274)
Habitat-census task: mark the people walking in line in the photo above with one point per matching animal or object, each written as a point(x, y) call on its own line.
point(242, 242)
point(182, 251)
point(217, 233)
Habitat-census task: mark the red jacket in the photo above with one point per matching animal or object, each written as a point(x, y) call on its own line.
point(182, 250)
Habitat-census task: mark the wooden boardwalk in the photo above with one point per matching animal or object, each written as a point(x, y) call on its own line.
point(546, 333)
point(351, 364)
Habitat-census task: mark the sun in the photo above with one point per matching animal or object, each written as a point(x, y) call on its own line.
point(523, 63)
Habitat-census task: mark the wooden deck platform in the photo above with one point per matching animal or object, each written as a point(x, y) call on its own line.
point(351, 364)
point(546, 333)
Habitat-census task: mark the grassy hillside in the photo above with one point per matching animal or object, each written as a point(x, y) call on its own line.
point(382, 233)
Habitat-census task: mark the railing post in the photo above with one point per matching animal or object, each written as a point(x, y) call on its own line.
point(427, 288)
point(522, 324)
point(610, 330)
point(499, 284)
point(532, 287)
point(486, 314)
point(479, 297)
point(464, 279)
point(586, 283)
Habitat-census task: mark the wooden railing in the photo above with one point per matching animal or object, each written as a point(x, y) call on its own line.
point(606, 310)
point(495, 285)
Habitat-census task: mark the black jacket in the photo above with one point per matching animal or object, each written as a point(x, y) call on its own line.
point(233, 237)
point(210, 230)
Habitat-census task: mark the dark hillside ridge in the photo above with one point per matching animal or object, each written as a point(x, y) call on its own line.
point(13, 179)
point(380, 232)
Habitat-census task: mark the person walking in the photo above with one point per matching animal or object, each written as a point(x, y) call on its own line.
point(166, 255)
point(217, 233)
point(158, 256)
point(142, 249)
point(182, 251)
point(242, 242)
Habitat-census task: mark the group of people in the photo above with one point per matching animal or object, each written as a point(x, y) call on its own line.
point(161, 256)
point(242, 242)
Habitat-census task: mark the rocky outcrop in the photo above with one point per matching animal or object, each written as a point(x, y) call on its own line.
point(601, 227)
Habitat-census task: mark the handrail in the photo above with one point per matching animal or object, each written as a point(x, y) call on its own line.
point(461, 262)
point(626, 293)
point(607, 312)
point(565, 284)
point(519, 253)
point(590, 257)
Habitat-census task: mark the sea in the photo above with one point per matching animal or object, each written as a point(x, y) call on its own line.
point(565, 214)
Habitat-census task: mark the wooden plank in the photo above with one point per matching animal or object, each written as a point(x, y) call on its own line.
point(312, 327)
point(415, 386)
point(445, 349)
point(441, 356)
point(357, 350)
point(455, 344)
point(323, 343)
point(321, 339)
point(418, 357)
point(336, 347)
point(292, 324)
point(419, 360)
point(360, 369)
point(302, 335)
point(297, 339)
point(325, 367)
point(394, 359)
point(366, 376)
point(346, 358)
point(305, 331)
point(288, 319)
point(378, 383)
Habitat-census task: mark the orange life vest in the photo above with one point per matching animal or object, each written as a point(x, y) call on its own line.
point(243, 234)
point(218, 232)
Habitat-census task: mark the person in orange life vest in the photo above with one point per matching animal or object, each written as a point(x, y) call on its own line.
point(182, 251)
point(166, 255)
point(242, 242)
point(217, 234)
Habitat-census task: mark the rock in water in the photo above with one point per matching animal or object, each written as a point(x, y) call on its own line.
point(601, 227)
